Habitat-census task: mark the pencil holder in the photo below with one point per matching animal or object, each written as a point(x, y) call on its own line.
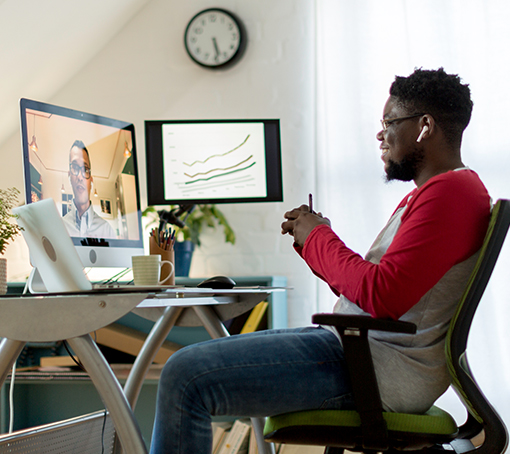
point(165, 255)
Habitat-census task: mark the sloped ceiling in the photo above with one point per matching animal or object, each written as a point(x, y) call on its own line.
point(44, 43)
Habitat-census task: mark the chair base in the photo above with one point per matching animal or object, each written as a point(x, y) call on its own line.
point(457, 447)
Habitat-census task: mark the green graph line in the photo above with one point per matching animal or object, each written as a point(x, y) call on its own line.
point(218, 155)
point(221, 174)
point(217, 169)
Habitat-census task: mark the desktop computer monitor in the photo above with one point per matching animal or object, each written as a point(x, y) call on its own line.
point(213, 161)
point(87, 164)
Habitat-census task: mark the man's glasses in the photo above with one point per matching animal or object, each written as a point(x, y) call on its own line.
point(389, 121)
point(75, 170)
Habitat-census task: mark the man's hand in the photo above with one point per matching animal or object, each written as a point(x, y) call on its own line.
point(300, 222)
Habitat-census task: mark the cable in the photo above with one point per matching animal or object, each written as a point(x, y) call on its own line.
point(102, 432)
point(115, 278)
point(77, 362)
point(11, 399)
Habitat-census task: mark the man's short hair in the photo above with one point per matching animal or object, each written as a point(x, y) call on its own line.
point(79, 144)
point(439, 94)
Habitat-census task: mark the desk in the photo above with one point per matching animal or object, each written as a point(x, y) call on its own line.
point(71, 317)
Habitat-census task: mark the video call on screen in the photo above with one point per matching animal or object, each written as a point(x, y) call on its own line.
point(111, 187)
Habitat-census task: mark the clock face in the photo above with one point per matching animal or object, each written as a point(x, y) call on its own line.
point(214, 38)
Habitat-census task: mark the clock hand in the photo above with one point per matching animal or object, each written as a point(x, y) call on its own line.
point(216, 47)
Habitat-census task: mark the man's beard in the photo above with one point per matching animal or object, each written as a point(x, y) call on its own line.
point(407, 169)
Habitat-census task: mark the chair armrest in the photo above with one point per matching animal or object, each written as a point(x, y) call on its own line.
point(353, 330)
point(364, 322)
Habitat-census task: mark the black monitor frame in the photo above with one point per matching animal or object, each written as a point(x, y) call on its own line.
point(155, 168)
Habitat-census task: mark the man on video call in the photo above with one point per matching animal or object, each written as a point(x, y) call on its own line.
point(82, 220)
point(415, 271)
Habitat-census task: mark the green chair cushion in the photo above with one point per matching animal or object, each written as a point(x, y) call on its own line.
point(434, 421)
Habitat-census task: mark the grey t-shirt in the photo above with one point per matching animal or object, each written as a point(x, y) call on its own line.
point(411, 369)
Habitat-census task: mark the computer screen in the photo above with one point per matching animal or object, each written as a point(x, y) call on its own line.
point(87, 164)
point(213, 161)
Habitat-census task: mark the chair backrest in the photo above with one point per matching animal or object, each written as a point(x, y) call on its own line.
point(456, 341)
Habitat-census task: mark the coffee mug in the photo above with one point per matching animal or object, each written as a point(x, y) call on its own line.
point(147, 269)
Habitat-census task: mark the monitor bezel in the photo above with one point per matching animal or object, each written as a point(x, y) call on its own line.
point(154, 163)
point(111, 252)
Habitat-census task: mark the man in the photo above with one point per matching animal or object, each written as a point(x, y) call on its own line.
point(82, 220)
point(415, 271)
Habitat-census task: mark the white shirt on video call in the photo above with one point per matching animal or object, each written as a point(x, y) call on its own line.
point(90, 225)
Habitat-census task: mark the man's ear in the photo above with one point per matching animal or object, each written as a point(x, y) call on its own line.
point(427, 125)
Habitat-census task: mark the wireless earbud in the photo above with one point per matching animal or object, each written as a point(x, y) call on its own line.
point(423, 131)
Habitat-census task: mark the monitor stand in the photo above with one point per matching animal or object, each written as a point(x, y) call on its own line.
point(35, 283)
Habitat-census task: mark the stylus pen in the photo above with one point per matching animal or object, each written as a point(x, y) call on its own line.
point(310, 202)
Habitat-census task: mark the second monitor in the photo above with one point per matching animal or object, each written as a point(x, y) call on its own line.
point(213, 161)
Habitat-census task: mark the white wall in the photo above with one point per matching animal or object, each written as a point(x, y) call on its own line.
point(145, 73)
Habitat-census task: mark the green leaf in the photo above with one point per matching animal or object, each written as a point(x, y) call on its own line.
point(208, 216)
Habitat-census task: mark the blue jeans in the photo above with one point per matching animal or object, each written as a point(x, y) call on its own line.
point(259, 374)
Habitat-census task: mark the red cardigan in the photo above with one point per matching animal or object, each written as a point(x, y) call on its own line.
point(443, 224)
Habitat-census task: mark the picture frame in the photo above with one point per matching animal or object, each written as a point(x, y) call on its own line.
point(106, 208)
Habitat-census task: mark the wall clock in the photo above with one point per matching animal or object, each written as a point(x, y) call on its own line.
point(215, 38)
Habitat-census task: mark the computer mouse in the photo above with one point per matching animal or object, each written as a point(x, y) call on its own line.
point(217, 282)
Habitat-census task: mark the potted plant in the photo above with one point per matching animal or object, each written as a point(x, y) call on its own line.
point(8, 230)
point(187, 237)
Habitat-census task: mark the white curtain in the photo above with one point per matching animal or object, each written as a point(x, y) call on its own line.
point(361, 46)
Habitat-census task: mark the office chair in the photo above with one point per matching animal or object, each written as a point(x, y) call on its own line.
point(369, 429)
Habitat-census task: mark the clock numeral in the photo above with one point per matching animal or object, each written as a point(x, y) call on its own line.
point(199, 30)
point(193, 40)
point(234, 36)
point(206, 55)
point(198, 50)
point(212, 17)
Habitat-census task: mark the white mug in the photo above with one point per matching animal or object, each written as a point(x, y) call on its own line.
point(147, 269)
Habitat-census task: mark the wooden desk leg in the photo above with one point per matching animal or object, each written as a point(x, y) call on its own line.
point(217, 329)
point(111, 393)
point(150, 348)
